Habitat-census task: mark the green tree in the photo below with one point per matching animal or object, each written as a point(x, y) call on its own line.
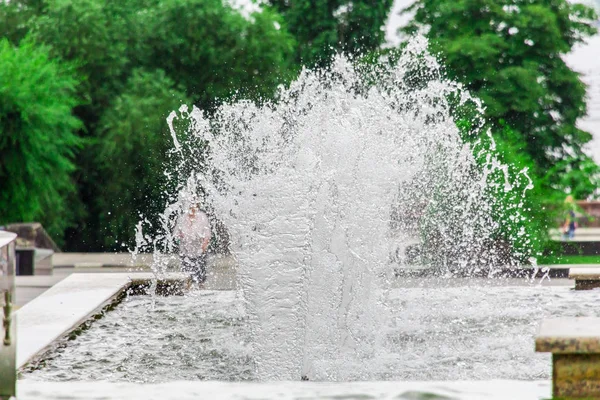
point(130, 155)
point(14, 16)
point(578, 173)
point(95, 36)
point(202, 51)
point(214, 52)
point(324, 27)
point(521, 212)
point(38, 137)
point(508, 53)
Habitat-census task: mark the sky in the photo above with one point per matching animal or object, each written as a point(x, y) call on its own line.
point(586, 60)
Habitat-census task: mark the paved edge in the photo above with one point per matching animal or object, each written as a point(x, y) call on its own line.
point(63, 308)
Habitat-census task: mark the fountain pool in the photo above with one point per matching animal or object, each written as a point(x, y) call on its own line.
point(317, 191)
point(440, 330)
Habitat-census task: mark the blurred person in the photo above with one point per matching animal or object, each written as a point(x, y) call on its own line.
point(194, 233)
point(570, 222)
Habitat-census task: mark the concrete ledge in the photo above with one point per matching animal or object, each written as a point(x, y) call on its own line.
point(585, 278)
point(569, 335)
point(172, 284)
point(575, 347)
point(70, 303)
point(32, 234)
point(585, 273)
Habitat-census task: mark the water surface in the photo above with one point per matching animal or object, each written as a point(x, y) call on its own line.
point(458, 330)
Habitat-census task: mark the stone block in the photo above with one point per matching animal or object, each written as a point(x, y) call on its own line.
point(576, 376)
point(575, 347)
point(34, 261)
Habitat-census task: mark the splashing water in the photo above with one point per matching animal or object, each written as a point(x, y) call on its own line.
point(319, 190)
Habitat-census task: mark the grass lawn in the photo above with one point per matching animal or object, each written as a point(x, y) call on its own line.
point(554, 259)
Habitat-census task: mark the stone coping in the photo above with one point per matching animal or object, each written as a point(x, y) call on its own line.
point(578, 335)
point(586, 273)
point(32, 234)
point(69, 304)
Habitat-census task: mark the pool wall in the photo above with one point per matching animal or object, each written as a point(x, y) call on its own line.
point(46, 321)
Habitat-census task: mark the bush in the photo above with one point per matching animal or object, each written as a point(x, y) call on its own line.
point(37, 137)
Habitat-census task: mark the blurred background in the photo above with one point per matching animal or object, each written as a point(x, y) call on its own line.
point(86, 87)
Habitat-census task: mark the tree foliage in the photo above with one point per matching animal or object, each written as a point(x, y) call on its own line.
point(214, 51)
point(38, 137)
point(324, 27)
point(509, 54)
point(130, 155)
point(140, 60)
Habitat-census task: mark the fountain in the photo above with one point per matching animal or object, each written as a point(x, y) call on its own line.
point(321, 194)
point(320, 189)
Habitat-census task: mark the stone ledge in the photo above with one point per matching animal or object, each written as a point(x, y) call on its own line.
point(575, 347)
point(62, 309)
point(171, 284)
point(32, 234)
point(576, 376)
point(584, 273)
point(580, 335)
point(585, 278)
